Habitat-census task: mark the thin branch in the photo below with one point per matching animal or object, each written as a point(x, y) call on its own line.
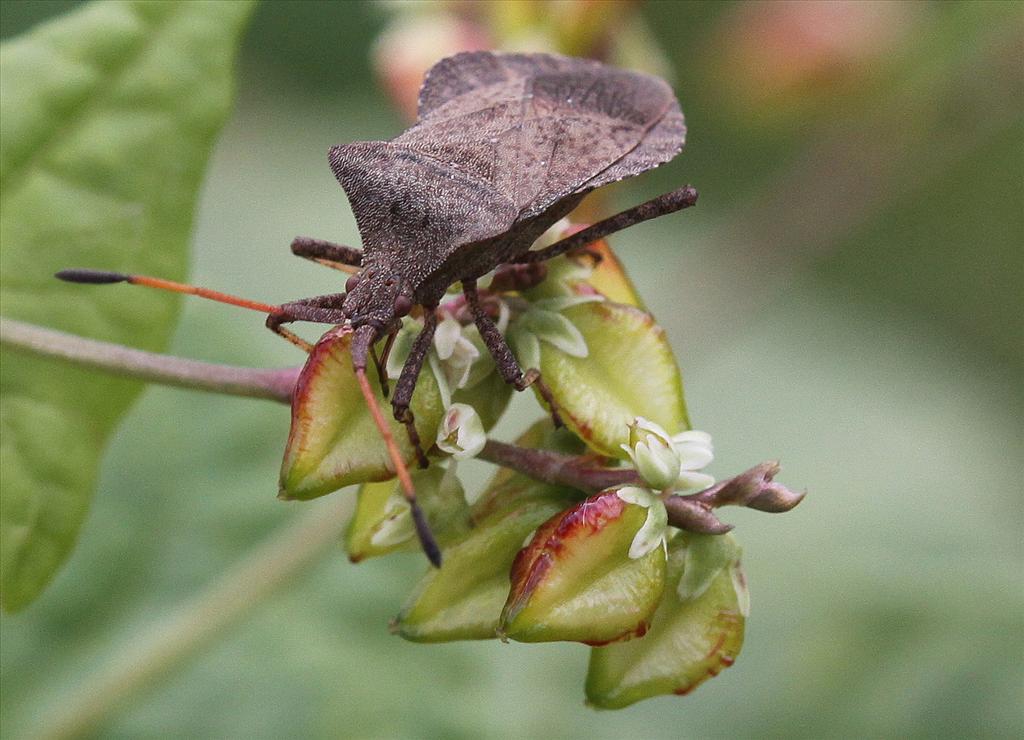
point(753, 488)
point(277, 562)
point(575, 471)
point(274, 385)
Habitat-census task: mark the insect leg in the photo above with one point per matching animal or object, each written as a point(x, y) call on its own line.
point(506, 362)
point(325, 309)
point(684, 197)
point(327, 253)
point(407, 381)
point(381, 362)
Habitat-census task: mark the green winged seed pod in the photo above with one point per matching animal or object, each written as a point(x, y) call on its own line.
point(629, 370)
point(333, 440)
point(696, 632)
point(463, 600)
point(576, 581)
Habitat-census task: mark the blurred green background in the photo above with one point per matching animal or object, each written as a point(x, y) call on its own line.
point(846, 298)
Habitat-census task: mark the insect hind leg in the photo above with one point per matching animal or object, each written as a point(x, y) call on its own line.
point(407, 382)
point(663, 205)
point(505, 361)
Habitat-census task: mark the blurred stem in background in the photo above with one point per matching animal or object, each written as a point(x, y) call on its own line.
point(141, 660)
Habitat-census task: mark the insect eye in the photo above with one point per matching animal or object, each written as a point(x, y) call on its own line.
point(403, 305)
point(351, 283)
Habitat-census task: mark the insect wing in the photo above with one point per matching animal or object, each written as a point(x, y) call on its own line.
point(503, 138)
point(541, 127)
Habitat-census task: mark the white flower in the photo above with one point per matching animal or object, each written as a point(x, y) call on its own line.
point(655, 528)
point(666, 463)
point(544, 322)
point(695, 453)
point(461, 433)
point(650, 448)
point(456, 352)
point(669, 461)
point(397, 525)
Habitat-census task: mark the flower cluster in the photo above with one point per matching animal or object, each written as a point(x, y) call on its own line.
point(604, 568)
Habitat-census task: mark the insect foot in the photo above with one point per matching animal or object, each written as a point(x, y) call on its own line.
point(532, 378)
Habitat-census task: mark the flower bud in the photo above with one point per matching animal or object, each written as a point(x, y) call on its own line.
point(650, 448)
point(461, 433)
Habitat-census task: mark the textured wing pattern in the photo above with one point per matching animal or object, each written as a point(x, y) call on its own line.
point(501, 139)
point(405, 199)
point(541, 127)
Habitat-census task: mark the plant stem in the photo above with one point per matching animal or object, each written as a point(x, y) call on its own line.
point(277, 562)
point(753, 488)
point(575, 471)
point(274, 385)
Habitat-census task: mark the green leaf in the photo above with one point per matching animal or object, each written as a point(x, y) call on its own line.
point(333, 440)
point(108, 116)
point(690, 639)
point(629, 371)
point(575, 580)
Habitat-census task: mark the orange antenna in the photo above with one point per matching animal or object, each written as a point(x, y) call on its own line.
point(98, 277)
point(426, 537)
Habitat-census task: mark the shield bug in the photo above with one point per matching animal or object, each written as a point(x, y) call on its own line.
point(505, 145)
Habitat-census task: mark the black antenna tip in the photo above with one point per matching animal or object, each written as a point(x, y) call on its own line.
point(427, 540)
point(96, 277)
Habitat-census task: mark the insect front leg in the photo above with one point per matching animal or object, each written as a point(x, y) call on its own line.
point(329, 254)
point(684, 197)
point(325, 309)
point(505, 361)
point(407, 381)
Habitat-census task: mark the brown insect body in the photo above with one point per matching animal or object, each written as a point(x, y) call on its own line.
point(505, 146)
